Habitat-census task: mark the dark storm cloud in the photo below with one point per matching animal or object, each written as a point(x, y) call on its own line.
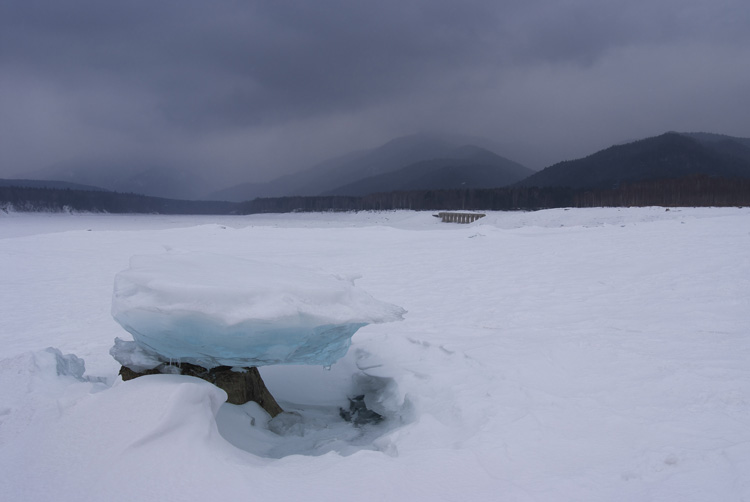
point(235, 83)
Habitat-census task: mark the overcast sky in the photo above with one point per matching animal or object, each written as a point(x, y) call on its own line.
point(254, 89)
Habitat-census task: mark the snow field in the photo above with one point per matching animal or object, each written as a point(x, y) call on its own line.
point(594, 354)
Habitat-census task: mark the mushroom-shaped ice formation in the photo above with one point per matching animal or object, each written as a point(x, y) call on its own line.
point(212, 310)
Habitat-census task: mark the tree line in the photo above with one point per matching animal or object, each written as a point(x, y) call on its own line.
point(19, 198)
point(695, 190)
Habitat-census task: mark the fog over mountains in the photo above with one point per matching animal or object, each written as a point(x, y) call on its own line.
point(184, 99)
point(431, 162)
point(131, 176)
point(468, 166)
point(417, 161)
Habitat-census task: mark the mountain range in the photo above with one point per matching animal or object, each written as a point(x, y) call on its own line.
point(668, 156)
point(430, 162)
point(467, 166)
point(415, 161)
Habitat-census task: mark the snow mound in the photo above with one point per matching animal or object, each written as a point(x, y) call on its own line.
point(214, 310)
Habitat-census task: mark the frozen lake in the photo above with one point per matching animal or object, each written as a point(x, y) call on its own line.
point(582, 354)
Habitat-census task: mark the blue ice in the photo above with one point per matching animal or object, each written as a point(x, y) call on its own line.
point(214, 310)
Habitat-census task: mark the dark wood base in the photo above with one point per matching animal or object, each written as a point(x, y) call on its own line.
point(240, 386)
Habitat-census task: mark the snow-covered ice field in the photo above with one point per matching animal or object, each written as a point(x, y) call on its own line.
point(587, 355)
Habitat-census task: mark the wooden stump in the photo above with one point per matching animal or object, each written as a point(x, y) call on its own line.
point(240, 386)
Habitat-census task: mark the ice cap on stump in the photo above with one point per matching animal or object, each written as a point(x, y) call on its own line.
point(216, 311)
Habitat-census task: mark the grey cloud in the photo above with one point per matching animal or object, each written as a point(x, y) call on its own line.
point(177, 80)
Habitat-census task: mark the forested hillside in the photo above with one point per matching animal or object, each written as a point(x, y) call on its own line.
point(669, 156)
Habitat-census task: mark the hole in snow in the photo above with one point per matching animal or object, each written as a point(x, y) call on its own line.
point(341, 422)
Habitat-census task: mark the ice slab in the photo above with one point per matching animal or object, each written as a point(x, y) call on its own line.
point(214, 310)
point(68, 364)
point(134, 356)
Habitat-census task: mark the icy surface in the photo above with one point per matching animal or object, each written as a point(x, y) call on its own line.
point(67, 364)
point(134, 356)
point(587, 355)
point(214, 310)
